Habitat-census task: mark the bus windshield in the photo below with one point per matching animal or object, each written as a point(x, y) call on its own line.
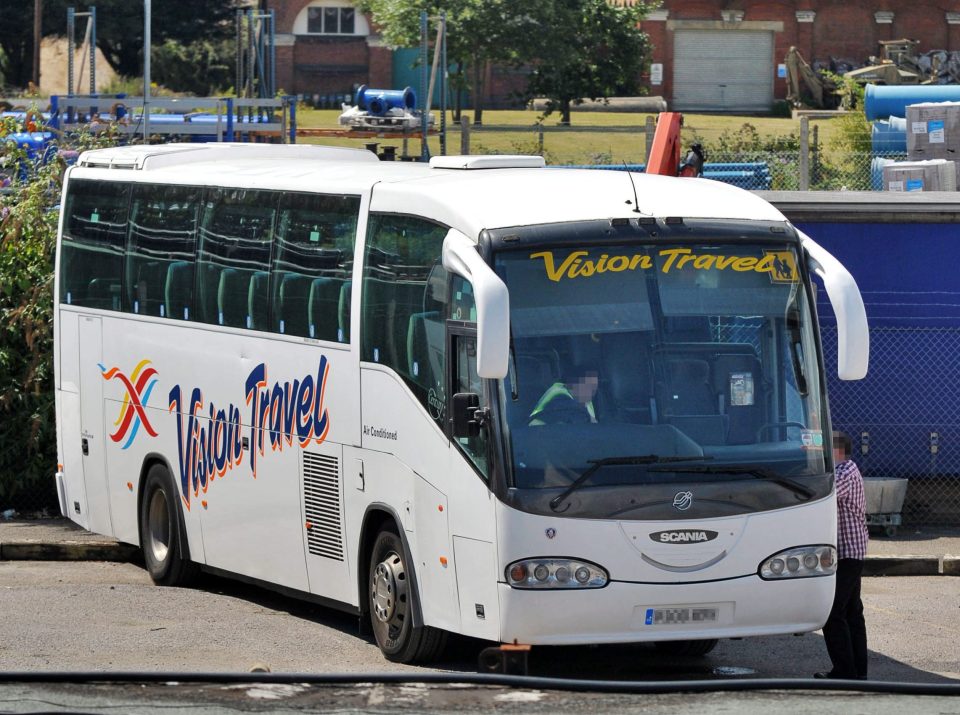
point(644, 377)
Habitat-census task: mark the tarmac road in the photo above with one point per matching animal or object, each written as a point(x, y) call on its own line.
point(109, 616)
point(100, 616)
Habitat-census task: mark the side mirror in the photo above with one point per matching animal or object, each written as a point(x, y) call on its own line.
point(493, 303)
point(467, 415)
point(853, 333)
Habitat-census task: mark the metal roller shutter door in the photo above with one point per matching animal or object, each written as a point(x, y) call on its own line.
point(723, 70)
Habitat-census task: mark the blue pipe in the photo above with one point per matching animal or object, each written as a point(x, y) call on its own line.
point(882, 101)
point(889, 135)
point(380, 101)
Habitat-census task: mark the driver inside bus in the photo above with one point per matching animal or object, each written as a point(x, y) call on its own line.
point(569, 401)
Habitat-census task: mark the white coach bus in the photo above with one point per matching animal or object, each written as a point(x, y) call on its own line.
point(479, 396)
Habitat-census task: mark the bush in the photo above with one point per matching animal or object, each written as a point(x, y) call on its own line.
point(28, 230)
point(29, 212)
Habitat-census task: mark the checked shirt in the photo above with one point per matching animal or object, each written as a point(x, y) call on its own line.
point(851, 512)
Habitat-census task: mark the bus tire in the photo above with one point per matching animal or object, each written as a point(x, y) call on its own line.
point(392, 598)
point(165, 553)
point(687, 648)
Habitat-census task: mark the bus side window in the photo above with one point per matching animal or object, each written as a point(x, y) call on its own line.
point(160, 250)
point(236, 234)
point(463, 306)
point(404, 304)
point(91, 251)
point(312, 265)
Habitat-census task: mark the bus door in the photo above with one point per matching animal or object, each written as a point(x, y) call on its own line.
point(93, 425)
point(471, 502)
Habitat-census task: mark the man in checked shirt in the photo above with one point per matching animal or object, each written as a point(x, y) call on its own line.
point(845, 632)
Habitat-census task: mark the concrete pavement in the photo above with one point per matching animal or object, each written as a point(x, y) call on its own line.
point(912, 552)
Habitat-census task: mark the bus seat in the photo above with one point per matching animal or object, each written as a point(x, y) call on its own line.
point(425, 338)
point(233, 297)
point(687, 389)
point(323, 307)
point(148, 294)
point(343, 310)
point(407, 301)
point(103, 293)
point(258, 301)
point(290, 307)
point(687, 401)
point(629, 396)
point(625, 381)
point(208, 291)
point(178, 290)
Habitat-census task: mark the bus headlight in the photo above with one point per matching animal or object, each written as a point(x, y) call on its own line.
point(800, 562)
point(555, 574)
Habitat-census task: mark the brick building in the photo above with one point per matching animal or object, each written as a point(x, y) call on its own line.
point(326, 47)
point(725, 55)
point(710, 55)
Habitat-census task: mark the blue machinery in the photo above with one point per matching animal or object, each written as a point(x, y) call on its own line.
point(380, 101)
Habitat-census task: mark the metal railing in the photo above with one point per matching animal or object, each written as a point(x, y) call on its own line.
point(162, 118)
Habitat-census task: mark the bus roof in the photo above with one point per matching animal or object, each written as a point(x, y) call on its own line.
point(468, 199)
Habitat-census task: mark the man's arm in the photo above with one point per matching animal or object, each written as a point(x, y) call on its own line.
point(845, 474)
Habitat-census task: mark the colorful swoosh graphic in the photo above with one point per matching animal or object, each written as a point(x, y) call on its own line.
point(138, 388)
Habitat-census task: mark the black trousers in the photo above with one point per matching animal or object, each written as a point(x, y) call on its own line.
point(845, 632)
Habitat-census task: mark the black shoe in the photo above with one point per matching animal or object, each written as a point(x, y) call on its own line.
point(822, 675)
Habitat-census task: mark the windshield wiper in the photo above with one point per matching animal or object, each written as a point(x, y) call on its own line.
point(596, 464)
point(758, 472)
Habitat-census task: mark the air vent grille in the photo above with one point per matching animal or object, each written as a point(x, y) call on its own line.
point(321, 499)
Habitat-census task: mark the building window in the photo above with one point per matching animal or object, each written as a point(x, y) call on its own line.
point(331, 20)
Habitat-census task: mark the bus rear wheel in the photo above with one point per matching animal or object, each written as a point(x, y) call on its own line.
point(392, 599)
point(686, 648)
point(166, 557)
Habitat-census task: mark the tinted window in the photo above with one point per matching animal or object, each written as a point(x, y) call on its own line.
point(236, 235)
point(405, 294)
point(91, 252)
point(160, 250)
point(312, 266)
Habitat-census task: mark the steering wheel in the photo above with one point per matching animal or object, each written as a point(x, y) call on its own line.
point(777, 425)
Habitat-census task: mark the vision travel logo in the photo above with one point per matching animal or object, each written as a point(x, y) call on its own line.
point(138, 388)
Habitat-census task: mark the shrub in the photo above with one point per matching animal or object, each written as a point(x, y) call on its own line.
point(29, 212)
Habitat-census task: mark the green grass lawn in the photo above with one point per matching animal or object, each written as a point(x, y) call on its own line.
point(625, 142)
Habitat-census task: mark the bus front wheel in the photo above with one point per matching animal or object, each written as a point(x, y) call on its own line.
point(392, 598)
point(166, 557)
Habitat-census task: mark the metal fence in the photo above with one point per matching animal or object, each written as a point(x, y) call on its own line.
point(904, 417)
point(811, 165)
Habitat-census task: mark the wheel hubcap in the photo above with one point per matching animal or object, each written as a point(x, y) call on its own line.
point(387, 589)
point(158, 526)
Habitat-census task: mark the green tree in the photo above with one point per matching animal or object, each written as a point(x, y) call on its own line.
point(478, 32)
point(201, 68)
point(587, 49)
point(119, 29)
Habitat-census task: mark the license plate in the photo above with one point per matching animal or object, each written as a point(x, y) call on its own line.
point(680, 616)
